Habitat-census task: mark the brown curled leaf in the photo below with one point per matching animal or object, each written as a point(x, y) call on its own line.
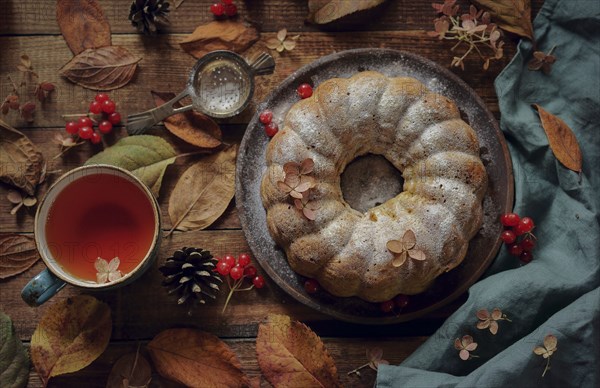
point(82, 24)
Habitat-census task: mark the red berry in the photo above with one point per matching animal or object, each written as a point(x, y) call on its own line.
point(95, 107)
point(244, 259)
point(526, 257)
point(84, 122)
point(515, 250)
point(524, 226)
point(108, 106)
point(217, 9)
point(95, 138)
point(311, 286)
point(227, 2)
point(85, 132)
point(271, 129)
point(266, 116)
point(258, 281)
point(250, 271)
point(508, 236)
point(236, 272)
point(401, 301)
point(527, 243)
point(230, 260)
point(387, 306)
point(509, 219)
point(223, 268)
point(105, 126)
point(230, 10)
point(114, 118)
point(305, 91)
point(72, 127)
point(101, 97)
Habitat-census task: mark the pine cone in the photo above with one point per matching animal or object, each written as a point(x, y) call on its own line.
point(189, 273)
point(149, 15)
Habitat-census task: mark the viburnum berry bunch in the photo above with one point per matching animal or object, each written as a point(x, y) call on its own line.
point(102, 112)
point(237, 272)
point(225, 8)
point(518, 236)
point(399, 302)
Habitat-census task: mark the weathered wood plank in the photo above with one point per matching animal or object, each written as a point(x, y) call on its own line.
point(23, 221)
point(142, 309)
point(38, 16)
point(348, 353)
point(165, 67)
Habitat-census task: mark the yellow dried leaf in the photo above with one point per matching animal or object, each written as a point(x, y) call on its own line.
point(325, 11)
point(292, 355)
point(196, 359)
point(71, 334)
point(562, 140)
point(219, 35)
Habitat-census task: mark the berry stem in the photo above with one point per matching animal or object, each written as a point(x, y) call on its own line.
point(65, 149)
point(232, 289)
point(357, 369)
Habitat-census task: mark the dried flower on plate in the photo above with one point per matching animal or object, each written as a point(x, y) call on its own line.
point(307, 207)
point(487, 320)
point(405, 248)
point(282, 43)
point(466, 346)
point(550, 343)
point(297, 183)
point(542, 61)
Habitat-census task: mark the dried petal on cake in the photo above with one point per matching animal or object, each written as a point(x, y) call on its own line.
point(405, 248)
point(107, 271)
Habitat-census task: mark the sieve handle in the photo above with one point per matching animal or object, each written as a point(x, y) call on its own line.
point(140, 122)
point(263, 64)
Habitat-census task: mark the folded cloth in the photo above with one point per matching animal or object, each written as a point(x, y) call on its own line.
point(557, 293)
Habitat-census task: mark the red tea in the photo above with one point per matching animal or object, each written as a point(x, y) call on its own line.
point(99, 215)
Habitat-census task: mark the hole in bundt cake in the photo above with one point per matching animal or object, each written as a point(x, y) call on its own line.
point(369, 181)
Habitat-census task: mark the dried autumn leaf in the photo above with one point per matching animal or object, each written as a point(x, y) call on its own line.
point(71, 334)
point(510, 15)
point(292, 355)
point(204, 191)
point(562, 140)
point(17, 254)
point(146, 156)
point(191, 126)
point(82, 24)
point(196, 359)
point(131, 370)
point(325, 11)
point(219, 35)
point(14, 362)
point(104, 68)
point(21, 163)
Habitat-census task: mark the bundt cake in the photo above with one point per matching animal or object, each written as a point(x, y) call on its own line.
point(402, 245)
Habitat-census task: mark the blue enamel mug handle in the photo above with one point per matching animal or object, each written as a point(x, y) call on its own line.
point(41, 288)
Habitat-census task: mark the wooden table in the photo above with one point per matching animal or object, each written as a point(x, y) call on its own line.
point(143, 309)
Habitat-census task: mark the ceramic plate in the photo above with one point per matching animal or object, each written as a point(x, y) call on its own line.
point(494, 153)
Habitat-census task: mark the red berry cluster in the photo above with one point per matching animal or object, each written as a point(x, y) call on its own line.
point(84, 126)
point(238, 271)
point(224, 8)
point(518, 236)
point(400, 301)
point(271, 127)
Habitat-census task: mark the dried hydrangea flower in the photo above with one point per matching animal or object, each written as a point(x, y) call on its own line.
point(282, 43)
point(465, 345)
point(307, 207)
point(374, 356)
point(107, 271)
point(296, 182)
point(550, 346)
point(405, 248)
point(542, 61)
point(487, 320)
point(19, 201)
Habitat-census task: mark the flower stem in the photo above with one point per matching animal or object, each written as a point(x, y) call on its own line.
point(547, 368)
point(357, 369)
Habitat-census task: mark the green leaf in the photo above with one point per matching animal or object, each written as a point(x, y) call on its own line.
point(14, 361)
point(147, 157)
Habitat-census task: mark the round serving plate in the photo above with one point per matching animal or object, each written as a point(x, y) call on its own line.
point(493, 150)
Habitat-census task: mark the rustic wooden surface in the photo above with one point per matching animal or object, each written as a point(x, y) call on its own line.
point(143, 309)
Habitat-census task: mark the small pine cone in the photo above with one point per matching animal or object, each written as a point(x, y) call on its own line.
point(190, 274)
point(148, 16)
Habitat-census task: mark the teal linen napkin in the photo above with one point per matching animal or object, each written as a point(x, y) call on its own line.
point(559, 292)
